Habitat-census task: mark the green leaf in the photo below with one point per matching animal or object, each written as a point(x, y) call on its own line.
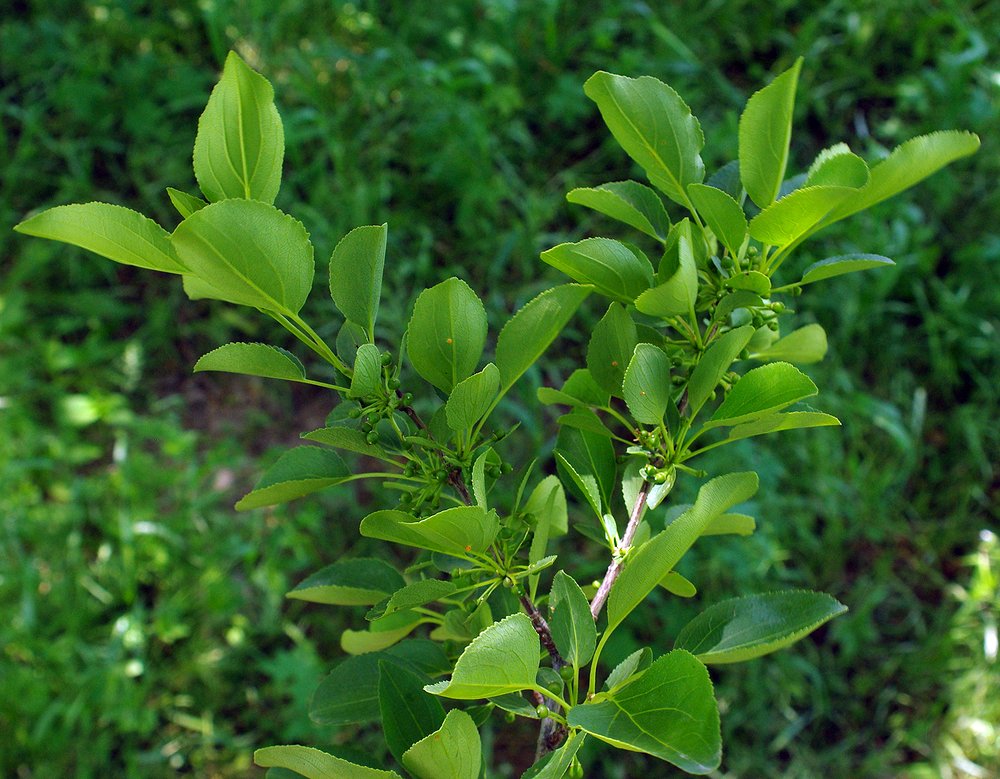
point(802, 346)
point(248, 253)
point(764, 134)
point(555, 764)
point(668, 712)
point(525, 337)
point(774, 423)
point(722, 213)
point(788, 219)
point(621, 272)
point(184, 203)
point(479, 489)
point(456, 531)
point(646, 566)
point(367, 378)
point(654, 126)
point(635, 663)
point(647, 387)
point(356, 275)
point(836, 166)
point(412, 595)
point(744, 628)
point(713, 365)
point(349, 693)
point(269, 362)
point(730, 524)
point(846, 263)
point(592, 456)
point(675, 296)
point(314, 764)
point(611, 346)
point(454, 750)
point(579, 391)
point(751, 281)
point(548, 504)
point(117, 233)
point(585, 419)
point(358, 582)
point(408, 713)
point(447, 333)
point(909, 163)
point(762, 391)
point(240, 143)
point(627, 201)
point(299, 471)
point(472, 398)
point(382, 633)
point(677, 585)
point(572, 625)
point(349, 439)
point(501, 659)
point(583, 485)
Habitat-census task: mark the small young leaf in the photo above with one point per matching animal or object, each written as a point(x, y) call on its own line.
point(547, 503)
point(635, 663)
point(847, 263)
point(314, 764)
point(744, 628)
point(722, 213)
point(646, 387)
point(788, 219)
point(358, 582)
point(298, 472)
point(555, 764)
point(447, 333)
point(367, 377)
point(591, 456)
point(668, 712)
point(525, 337)
point(762, 391)
point(408, 713)
point(802, 346)
point(612, 343)
point(572, 625)
point(583, 485)
point(456, 531)
point(184, 203)
point(773, 423)
point(764, 134)
point(382, 633)
point(454, 750)
point(837, 167)
point(248, 253)
point(677, 585)
point(501, 659)
point(356, 275)
point(751, 281)
point(713, 366)
point(349, 439)
point(676, 295)
point(240, 143)
point(614, 269)
point(269, 362)
point(412, 595)
point(117, 233)
point(472, 398)
point(654, 126)
point(479, 488)
point(579, 391)
point(627, 201)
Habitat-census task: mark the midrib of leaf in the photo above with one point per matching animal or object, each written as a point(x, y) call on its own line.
point(652, 735)
point(243, 150)
point(123, 246)
point(251, 284)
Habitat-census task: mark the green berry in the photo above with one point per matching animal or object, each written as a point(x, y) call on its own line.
point(778, 307)
point(386, 358)
point(567, 673)
point(354, 413)
point(372, 437)
point(542, 711)
point(372, 418)
point(393, 383)
point(407, 398)
point(509, 717)
point(575, 769)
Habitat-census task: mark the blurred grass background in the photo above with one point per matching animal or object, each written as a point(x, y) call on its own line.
point(144, 630)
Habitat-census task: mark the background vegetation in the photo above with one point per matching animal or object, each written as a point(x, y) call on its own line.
point(144, 630)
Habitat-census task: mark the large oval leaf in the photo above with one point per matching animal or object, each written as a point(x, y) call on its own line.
point(612, 343)
point(627, 201)
point(356, 275)
point(722, 213)
point(454, 750)
point(762, 391)
point(300, 471)
point(358, 582)
point(571, 622)
point(249, 253)
point(314, 764)
point(676, 294)
point(646, 387)
point(455, 531)
point(744, 628)
point(240, 143)
point(408, 713)
point(614, 269)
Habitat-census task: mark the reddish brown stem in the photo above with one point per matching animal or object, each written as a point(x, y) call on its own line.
point(615, 568)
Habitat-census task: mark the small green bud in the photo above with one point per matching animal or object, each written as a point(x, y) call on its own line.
point(509, 717)
point(660, 477)
point(567, 673)
point(508, 582)
point(407, 398)
point(372, 418)
point(372, 437)
point(575, 769)
point(542, 711)
point(772, 326)
point(506, 533)
point(393, 383)
point(506, 467)
point(386, 358)
point(778, 307)
point(365, 426)
point(752, 251)
point(354, 412)
point(745, 354)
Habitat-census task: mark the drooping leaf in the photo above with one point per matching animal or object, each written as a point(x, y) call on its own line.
point(611, 346)
point(525, 337)
point(315, 764)
point(269, 362)
point(358, 582)
point(837, 166)
point(114, 232)
point(646, 387)
point(654, 126)
point(722, 213)
point(764, 134)
point(668, 712)
point(627, 201)
point(240, 143)
point(454, 750)
point(456, 531)
point(472, 398)
point(249, 253)
point(802, 346)
point(555, 764)
point(299, 471)
point(408, 713)
point(846, 263)
point(773, 423)
point(713, 365)
point(646, 566)
point(501, 659)
point(676, 295)
point(447, 333)
point(762, 391)
point(788, 219)
point(367, 378)
point(572, 625)
point(184, 203)
point(349, 439)
point(616, 270)
point(356, 267)
point(744, 628)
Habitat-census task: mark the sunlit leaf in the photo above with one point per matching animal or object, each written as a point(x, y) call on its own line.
point(627, 201)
